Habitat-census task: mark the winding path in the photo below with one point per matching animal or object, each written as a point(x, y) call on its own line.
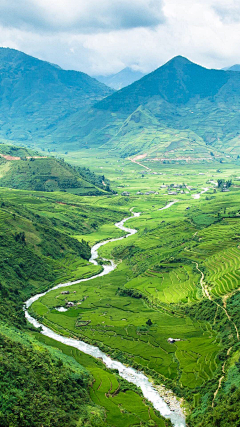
point(128, 373)
point(207, 295)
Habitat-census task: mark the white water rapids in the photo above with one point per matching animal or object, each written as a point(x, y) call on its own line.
point(129, 374)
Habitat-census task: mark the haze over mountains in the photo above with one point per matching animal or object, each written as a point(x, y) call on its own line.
point(181, 110)
point(35, 94)
point(235, 67)
point(121, 79)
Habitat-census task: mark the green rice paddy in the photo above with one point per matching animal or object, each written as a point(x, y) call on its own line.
point(156, 278)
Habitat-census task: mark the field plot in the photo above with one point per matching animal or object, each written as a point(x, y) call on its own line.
point(200, 362)
point(168, 284)
point(122, 402)
point(118, 324)
point(224, 271)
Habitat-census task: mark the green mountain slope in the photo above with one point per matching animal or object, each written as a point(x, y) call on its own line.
point(41, 386)
point(34, 94)
point(181, 110)
point(24, 169)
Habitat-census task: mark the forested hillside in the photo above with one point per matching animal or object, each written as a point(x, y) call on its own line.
point(24, 169)
point(38, 386)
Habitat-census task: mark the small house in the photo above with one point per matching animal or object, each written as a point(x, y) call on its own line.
point(70, 304)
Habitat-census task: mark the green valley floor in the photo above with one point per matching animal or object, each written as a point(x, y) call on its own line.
point(177, 277)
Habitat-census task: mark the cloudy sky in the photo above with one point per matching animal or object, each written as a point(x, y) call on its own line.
point(104, 36)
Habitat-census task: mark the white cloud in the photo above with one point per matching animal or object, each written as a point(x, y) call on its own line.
point(80, 15)
point(104, 36)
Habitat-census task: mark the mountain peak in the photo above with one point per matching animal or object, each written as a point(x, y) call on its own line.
point(176, 82)
point(179, 62)
point(123, 78)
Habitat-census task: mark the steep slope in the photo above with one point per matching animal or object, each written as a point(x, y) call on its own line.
point(35, 94)
point(193, 110)
point(176, 82)
point(123, 78)
point(27, 170)
point(42, 386)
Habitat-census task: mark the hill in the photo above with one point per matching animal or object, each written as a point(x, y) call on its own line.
point(38, 249)
point(35, 94)
point(27, 170)
point(235, 67)
point(121, 79)
point(181, 110)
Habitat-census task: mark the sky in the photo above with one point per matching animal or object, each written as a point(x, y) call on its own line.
point(101, 37)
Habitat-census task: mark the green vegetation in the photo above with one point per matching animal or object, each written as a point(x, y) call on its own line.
point(171, 307)
point(42, 387)
point(36, 95)
point(122, 401)
point(22, 169)
point(38, 251)
point(157, 292)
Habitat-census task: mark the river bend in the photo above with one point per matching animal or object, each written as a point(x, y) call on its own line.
point(128, 373)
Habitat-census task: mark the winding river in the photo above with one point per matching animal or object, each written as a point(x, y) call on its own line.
point(128, 373)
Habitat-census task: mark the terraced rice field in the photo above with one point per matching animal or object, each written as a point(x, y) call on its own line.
point(156, 280)
point(180, 284)
point(121, 401)
point(223, 272)
point(118, 324)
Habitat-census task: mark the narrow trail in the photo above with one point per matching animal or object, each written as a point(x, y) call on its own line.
point(202, 283)
point(207, 295)
point(221, 379)
point(140, 164)
point(131, 375)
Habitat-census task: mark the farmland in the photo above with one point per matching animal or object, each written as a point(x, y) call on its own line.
point(158, 278)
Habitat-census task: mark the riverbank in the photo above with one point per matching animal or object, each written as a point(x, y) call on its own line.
point(128, 373)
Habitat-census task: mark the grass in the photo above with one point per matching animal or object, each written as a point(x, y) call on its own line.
point(156, 277)
point(122, 402)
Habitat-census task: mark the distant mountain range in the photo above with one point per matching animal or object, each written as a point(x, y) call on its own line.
point(235, 67)
point(123, 78)
point(35, 95)
point(179, 111)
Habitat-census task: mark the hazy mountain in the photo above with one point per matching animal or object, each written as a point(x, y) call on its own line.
point(122, 79)
point(235, 67)
point(178, 110)
point(35, 94)
point(181, 110)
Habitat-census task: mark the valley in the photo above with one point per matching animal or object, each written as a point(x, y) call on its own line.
point(159, 277)
point(128, 325)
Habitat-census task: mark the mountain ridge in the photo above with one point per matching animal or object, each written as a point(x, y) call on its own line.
point(123, 78)
point(35, 94)
point(187, 103)
point(178, 105)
